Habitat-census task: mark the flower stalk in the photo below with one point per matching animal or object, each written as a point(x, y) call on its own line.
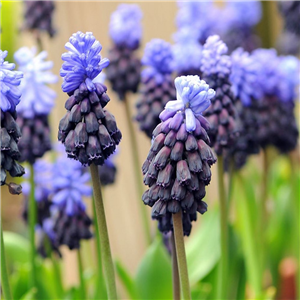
point(175, 273)
point(223, 266)
point(4, 276)
point(108, 267)
point(80, 271)
point(181, 257)
point(137, 171)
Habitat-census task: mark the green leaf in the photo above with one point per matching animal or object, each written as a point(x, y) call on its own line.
point(126, 280)
point(19, 280)
point(29, 295)
point(154, 275)
point(203, 249)
point(16, 247)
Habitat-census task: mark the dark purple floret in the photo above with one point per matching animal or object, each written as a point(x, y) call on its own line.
point(124, 70)
point(38, 16)
point(88, 131)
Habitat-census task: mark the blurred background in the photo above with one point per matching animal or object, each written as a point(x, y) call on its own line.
point(121, 200)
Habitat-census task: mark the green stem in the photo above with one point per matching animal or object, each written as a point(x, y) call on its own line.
point(99, 286)
point(223, 266)
point(57, 272)
point(32, 214)
point(80, 271)
point(108, 267)
point(230, 183)
point(4, 275)
point(175, 273)
point(250, 242)
point(181, 257)
point(137, 171)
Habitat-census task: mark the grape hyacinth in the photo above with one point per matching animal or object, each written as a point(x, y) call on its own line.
point(246, 88)
point(187, 52)
point(10, 94)
point(157, 84)
point(69, 186)
point(125, 31)
point(37, 103)
point(38, 16)
point(88, 131)
point(216, 68)
point(177, 168)
point(290, 10)
point(239, 19)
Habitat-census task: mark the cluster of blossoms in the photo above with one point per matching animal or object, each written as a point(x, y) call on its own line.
point(177, 168)
point(157, 86)
point(59, 191)
point(38, 16)
point(10, 94)
point(125, 31)
point(37, 103)
point(88, 131)
point(216, 69)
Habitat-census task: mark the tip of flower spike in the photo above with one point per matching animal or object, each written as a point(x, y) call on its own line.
point(193, 97)
point(10, 81)
point(214, 60)
point(82, 62)
point(158, 54)
point(125, 26)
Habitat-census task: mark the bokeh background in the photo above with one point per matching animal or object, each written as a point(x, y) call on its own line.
point(121, 200)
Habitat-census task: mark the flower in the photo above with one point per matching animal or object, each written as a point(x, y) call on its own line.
point(38, 16)
point(37, 98)
point(107, 172)
point(82, 62)
point(158, 58)
point(187, 51)
point(125, 26)
point(10, 81)
point(214, 60)
point(193, 97)
point(244, 76)
point(177, 168)
point(88, 131)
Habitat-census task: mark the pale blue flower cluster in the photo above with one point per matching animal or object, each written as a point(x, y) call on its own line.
point(187, 51)
point(193, 97)
point(243, 13)
point(244, 77)
point(214, 61)
point(125, 26)
point(10, 81)
point(37, 97)
point(70, 185)
point(83, 62)
point(289, 69)
point(158, 58)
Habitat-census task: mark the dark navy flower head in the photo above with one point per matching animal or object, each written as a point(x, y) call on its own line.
point(187, 51)
point(37, 98)
point(158, 58)
point(289, 68)
point(193, 97)
point(269, 76)
point(10, 80)
point(125, 26)
point(244, 76)
point(243, 13)
point(82, 63)
point(214, 60)
point(70, 185)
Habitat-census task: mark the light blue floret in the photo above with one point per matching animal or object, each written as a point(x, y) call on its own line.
point(193, 97)
point(244, 77)
point(70, 185)
point(158, 58)
point(125, 26)
point(37, 97)
point(214, 61)
point(187, 51)
point(10, 80)
point(82, 63)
